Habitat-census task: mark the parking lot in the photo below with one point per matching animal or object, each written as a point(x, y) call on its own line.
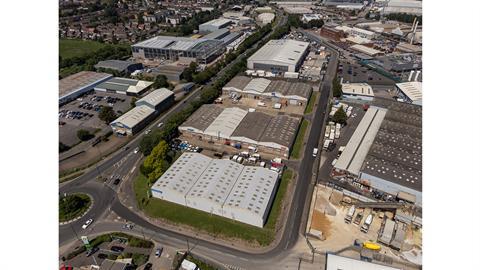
point(83, 114)
point(355, 73)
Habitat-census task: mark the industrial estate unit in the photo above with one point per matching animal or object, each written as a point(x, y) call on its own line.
point(221, 187)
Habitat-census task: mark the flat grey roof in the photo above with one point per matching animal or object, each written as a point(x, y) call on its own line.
point(284, 51)
point(282, 130)
point(124, 85)
point(80, 80)
point(396, 153)
point(252, 126)
point(336, 262)
point(119, 65)
point(203, 117)
point(178, 43)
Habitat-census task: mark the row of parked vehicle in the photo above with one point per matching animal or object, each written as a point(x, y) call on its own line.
point(73, 114)
point(184, 146)
point(90, 106)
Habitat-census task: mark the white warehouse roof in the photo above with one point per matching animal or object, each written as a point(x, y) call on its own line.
point(359, 89)
point(217, 22)
point(156, 97)
point(356, 150)
point(366, 50)
point(284, 51)
point(336, 262)
point(413, 90)
point(133, 117)
point(207, 184)
point(226, 123)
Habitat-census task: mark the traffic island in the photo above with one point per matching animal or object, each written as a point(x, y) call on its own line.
point(73, 206)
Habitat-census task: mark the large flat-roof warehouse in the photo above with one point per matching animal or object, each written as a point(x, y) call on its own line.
point(275, 90)
point(167, 47)
point(385, 151)
point(75, 85)
point(283, 55)
point(220, 187)
point(270, 134)
point(125, 86)
point(132, 121)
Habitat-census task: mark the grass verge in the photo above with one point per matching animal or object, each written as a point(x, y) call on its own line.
point(212, 224)
point(311, 102)
point(297, 146)
point(72, 206)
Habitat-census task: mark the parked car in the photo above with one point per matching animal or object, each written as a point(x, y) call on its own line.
point(158, 252)
point(117, 181)
point(117, 249)
point(136, 150)
point(87, 223)
point(160, 124)
point(92, 251)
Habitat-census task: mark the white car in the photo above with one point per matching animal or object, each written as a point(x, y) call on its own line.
point(87, 223)
point(148, 131)
point(136, 150)
point(160, 124)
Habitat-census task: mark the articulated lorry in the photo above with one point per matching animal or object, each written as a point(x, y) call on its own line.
point(367, 223)
point(350, 213)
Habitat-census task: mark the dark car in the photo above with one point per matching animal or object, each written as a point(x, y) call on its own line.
point(148, 266)
point(117, 249)
point(92, 251)
point(116, 181)
point(102, 256)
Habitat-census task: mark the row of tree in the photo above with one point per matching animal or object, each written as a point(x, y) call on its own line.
point(186, 27)
point(404, 17)
point(337, 88)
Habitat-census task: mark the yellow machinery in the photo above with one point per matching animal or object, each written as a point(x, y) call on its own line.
point(371, 245)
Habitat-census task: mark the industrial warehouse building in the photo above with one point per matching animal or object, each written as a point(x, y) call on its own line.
point(410, 92)
point(159, 100)
point(235, 126)
point(361, 91)
point(203, 51)
point(133, 121)
point(218, 186)
point(403, 6)
point(366, 50)
point(146, 109)
point(279, 56)
point(123, 67)
point(355, 31)
point(274, 90)
point(336, 262)
point(399, 62)
point(385, 151)
point(79, 83)
point(129, 87)
point(214, 25)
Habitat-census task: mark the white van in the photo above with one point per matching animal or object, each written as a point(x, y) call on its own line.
point(315, 152)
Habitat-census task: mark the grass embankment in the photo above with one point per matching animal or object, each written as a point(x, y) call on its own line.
point(212, 224)
point(69, 48)
point(297, 146)
point(311, 102)
point(72, 206)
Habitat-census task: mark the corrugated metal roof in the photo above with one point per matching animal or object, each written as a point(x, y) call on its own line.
point(80, 80)
point(133, 117)
point(226, 123)
point(361, 89)
point(413, 90)
point(156, 97)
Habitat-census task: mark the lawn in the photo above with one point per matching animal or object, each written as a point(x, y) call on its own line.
point(72, 206)
point(75, 47)
point(311, 102)
point(212, 224)
point(297, 147)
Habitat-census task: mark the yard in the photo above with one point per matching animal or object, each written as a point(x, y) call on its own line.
point(297, 147)
point(212, 224)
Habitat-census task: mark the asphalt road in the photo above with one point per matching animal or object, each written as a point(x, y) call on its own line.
point(105, 197)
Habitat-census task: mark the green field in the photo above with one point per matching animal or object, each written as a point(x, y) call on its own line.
point(311, 102)
point(212, 224)
point(297, 147)
point(69, 48)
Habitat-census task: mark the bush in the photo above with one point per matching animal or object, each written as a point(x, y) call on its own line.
point(84, 135)
point(63, 147)
point(112, 257)
point(107, 115)
point(72, 206)
point(139, 259)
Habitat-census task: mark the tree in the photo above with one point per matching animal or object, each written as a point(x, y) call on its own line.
point(107, 114)
point(160, 81)
point(337, 88)
point(72, 203)
point(340, 116)
point(190, 71)
point(132, 103)
point(155, 164)
point(84, 135)
point(63, 147)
